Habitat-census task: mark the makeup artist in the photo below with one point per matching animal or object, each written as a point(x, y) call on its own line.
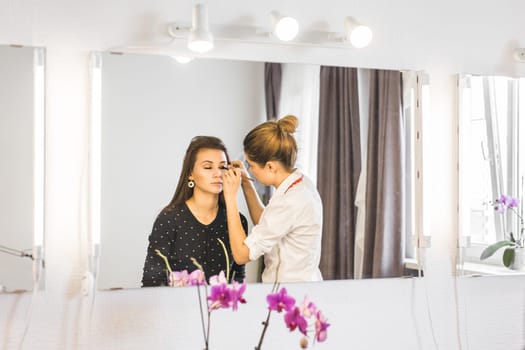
point(288, 230)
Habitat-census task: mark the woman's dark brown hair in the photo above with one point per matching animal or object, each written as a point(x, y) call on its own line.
point(183, 192)
point(273, 140)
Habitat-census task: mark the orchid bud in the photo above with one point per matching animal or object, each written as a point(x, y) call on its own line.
point(303, 342)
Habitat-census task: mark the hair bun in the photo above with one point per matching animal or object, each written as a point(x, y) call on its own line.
point(288, 123)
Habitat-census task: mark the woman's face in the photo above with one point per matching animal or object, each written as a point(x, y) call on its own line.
point(258, 172)
point(208, 169)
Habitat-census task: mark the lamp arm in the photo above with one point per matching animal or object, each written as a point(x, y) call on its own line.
point(11, 251)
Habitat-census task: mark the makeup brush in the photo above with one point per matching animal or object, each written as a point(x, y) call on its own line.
point(238, 167)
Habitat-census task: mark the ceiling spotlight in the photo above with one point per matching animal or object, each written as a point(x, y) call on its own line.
point(359, 35)
point(183, 59)
point(285, 28)
point(200, 39)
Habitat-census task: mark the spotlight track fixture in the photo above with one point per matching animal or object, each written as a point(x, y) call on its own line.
point(283, 31)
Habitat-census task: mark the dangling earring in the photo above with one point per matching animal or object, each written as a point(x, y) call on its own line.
point(191, 183)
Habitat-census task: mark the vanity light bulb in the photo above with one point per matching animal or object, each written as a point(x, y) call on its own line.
point(183, 59)
point(200, 39)
point(286, 28)
point(200, 46)
point(361, 36)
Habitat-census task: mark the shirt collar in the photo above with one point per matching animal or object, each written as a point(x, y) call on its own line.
point(287, 182)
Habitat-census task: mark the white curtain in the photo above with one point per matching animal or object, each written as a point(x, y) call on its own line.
point(300, 97)
point(363, 81)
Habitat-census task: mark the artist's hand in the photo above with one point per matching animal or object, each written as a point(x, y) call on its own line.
point(231, 180)
point(239, 165)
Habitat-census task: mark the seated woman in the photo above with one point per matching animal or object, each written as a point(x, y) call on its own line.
point(191, 224)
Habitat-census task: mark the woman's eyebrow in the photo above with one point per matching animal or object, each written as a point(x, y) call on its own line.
point(211, 162)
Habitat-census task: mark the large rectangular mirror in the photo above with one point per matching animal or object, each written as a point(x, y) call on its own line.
point(491, 165)
point(150, 106)
point(22, 175)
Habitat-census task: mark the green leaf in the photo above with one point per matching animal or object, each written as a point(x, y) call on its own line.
point(508, 256)
point(491, 249)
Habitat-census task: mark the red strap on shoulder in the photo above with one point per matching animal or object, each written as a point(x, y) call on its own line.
point(294, 183)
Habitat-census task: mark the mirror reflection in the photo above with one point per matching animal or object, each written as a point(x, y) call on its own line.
point(355, 143)
point(21, 155)
point(491, 166)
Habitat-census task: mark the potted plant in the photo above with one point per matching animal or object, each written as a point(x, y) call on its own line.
point(513, 256)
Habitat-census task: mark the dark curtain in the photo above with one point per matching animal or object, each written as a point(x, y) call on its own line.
point(339, 166)
point(272, 97)
point(272, 89)
point(385, 194)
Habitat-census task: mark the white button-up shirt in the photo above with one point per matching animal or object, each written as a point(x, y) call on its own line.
point(289, 232)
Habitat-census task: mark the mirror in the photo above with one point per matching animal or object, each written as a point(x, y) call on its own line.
point(151, 106)
point(22, 175)
point(491, 164)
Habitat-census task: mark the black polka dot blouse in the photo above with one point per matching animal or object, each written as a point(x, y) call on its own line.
point(180, 236)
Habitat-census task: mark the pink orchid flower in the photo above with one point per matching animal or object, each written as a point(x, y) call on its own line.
point(218, 279)
point(308, 308)
point(220, 297)
point(321, 327)
point(294, 319)
point(236, 292)
point(178, 278)
point(280, 301)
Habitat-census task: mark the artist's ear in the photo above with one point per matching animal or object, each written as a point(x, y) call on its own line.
point(271, 166)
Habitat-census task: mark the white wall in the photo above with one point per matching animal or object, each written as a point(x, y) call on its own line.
point(444, 38)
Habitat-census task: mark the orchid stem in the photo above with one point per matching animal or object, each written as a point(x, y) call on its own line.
point(202, 317)
point(227, 259)
point(163, 258)
point(519, 238)
point(266, 323)
point(208, 331)
point(209, 316)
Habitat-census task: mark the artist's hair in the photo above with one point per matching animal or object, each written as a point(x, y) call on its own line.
point(273, 140)
point(183, 192)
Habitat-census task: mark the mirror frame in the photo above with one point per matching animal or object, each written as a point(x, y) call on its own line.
point(466, 266)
